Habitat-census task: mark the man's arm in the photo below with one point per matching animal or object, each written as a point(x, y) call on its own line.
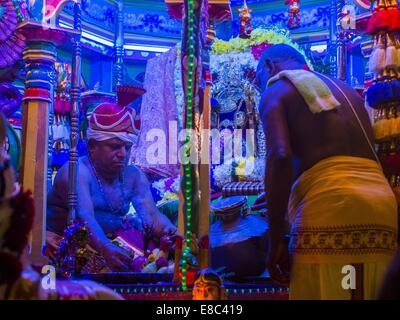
point(278, 175)
point(144, 204)
point(279, 167)
point(85, 211)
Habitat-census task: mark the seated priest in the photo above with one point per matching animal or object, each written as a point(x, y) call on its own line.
point(106, 186)
point(18, 278)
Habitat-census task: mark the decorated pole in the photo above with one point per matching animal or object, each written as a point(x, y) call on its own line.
point(341, 43)
point(332, 45)
point(191, 67)
point(75, 99)
point(336, 45)
point(119, 46)
point(194, 208)
point(50, 138)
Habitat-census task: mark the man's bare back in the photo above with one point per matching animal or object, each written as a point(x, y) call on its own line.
point(313, 137)
point(297, 139)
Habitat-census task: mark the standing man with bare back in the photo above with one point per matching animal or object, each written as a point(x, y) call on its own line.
point(323, 174)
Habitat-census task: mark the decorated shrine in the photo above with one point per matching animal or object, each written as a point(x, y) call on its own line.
point(136, 135)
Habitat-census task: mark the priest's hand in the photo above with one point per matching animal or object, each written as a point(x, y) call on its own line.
point(278, 261)
point(164, 227)
point(116, 258)
point(260, 203)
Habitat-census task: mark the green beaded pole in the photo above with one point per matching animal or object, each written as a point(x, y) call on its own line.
point(191, 69)
point(188, 56)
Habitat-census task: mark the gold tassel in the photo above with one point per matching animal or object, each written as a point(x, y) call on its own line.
point(382, 127)
point(385, 129)
point(396, 127)
point(379, 130)
point(391, 121)
point(396, 124)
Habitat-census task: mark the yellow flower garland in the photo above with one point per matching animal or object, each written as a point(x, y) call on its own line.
point(258, 36)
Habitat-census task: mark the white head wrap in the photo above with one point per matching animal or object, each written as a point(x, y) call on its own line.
point(99, 135)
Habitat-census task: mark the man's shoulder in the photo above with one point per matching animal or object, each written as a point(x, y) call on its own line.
point(63, 172)
point(278, 95)
point(134, 175)
point(131, 168)
point(279, 91)
point(133, 171)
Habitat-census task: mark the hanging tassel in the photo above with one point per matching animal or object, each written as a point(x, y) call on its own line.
point(394, 15)
point(392, 127)
point(395, 131)
point(396, 124)
point(380, 54)
point(387, 93)
point(383, 90)
point(377, 130)
point(397, 45)
point(372, 61)
point(391, 121)
point(377, 61)
point(395, 84)
point(379, 93)
point(384, 16)
point(372, 28)
point(385, 127)
point(380, 19)
point(391, 54)
point(396, 90)
point(380, 127)
point(372, 96)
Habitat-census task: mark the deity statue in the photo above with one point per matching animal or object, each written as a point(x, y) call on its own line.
point(245, 21)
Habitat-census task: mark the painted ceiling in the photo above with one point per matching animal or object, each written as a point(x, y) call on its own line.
point(147, 21)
